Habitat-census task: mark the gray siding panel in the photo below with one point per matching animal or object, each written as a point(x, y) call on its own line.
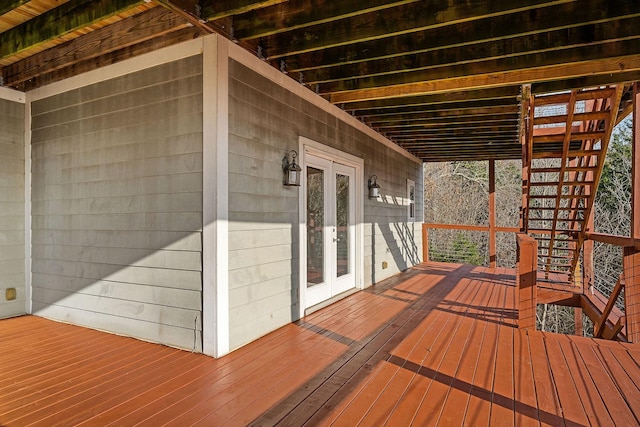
point(265, 122)
point(117, 205)
point(12, 175)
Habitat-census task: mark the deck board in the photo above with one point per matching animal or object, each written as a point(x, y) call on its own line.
point(435, 345)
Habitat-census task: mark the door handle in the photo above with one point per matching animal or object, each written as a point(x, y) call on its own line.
point(336, 240)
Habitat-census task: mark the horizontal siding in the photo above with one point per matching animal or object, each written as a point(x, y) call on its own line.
point(265, 123)
point(12, 208)
point(117, 205)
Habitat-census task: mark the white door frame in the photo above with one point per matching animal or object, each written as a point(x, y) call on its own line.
point(307, 147)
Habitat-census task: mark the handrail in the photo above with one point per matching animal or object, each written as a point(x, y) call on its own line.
point(613, 239)
point(469, 227)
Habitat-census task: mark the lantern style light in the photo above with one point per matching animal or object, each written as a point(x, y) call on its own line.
point(292, 170)
point(374, 188)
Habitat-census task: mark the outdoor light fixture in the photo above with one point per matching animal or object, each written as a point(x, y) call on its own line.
point(374, 188)
point(291, 170)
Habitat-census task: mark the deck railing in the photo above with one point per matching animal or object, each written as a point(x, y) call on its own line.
point(464, 243)
point(607, 318)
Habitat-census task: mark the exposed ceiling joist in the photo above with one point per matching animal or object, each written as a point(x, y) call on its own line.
point(443, 78)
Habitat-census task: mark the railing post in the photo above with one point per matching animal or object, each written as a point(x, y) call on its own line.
point(631, 268)
point(425, 243)
point(631, 261)
point(526, 266)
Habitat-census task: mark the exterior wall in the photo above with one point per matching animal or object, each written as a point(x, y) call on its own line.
point(117, 204)
point(265, 122)
point(12, 207)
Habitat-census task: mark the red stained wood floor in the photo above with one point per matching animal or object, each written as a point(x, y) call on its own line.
point(435, 345)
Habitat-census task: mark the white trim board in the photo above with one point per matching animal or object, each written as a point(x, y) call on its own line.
point(215, 198)
point(148, 60)
point(247, 59)
point(27, 208)
point(12, 95)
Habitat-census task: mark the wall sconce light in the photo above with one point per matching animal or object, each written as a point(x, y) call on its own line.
point(291, 170)
point(374, 188)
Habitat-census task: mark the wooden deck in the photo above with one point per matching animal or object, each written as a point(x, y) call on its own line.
point(435, 345)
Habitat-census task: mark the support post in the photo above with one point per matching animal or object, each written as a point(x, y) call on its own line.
point(635, 163)
point(631, 261)
point(526, 265)
point(492, 213)
point(631, 268)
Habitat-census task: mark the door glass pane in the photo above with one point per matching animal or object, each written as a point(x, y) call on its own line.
point(342, 223)
point(315, 226)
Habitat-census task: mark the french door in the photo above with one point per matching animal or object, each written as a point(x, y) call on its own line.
point(330, 204)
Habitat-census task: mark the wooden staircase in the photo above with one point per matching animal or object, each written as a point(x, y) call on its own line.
point(564, 140)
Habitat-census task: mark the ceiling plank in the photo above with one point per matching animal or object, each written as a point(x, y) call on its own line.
point(581, 54)
point(397, 21)
point(212, 10)
point(298, 14)
point(446, 130)
point(510, 104)
point(446, 133)
point(135, 29)
point(146, 46)
point(542, 43)
point(450, 121)
point(584, 81)
point(531, 74)
point(507, 92)
point(468, 112)
point(557, 17)
point(61, 20)
point(8, 5)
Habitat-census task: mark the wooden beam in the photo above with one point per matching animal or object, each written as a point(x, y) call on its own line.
point(61, 20)
point(136, 29)
point(495, 79)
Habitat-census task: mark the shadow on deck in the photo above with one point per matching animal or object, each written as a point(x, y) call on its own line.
point(436, 344)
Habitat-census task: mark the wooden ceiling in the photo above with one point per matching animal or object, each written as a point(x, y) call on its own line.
point(441, 78)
